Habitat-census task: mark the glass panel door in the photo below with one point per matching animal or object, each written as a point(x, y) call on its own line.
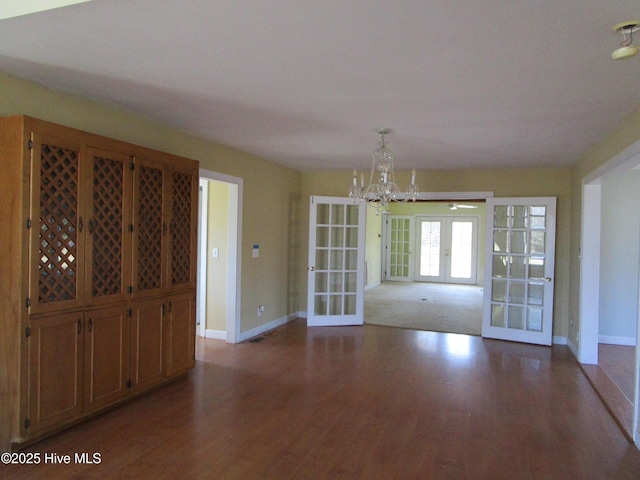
point(336, 262)
point(519, 266)
point(400, 236)
point(447, 249)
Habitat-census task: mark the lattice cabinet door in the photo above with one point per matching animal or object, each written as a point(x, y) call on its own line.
point(183, 230)
point(108, 224)
point(149, 228)
point(56, 225)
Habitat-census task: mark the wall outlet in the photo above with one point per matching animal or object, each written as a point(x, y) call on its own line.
point(260, 310)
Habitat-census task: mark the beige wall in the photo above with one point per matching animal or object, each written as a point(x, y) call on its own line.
point(217, 237)
point(537, 182)
point(271, 191)
point(625, 135)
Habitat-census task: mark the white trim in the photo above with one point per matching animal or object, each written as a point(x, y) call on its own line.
point(589, 273)
point(610, 340)
point(454, 195)
point(368, 287)
point(234, 270)
point(217, 334)
point(572, 347)
point(560, 340)
point(254, 332)
point(203, 220)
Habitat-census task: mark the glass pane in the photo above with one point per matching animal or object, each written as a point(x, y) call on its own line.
point(534, 319)
point(352, 214)
point(322, 214)
point(322, 260)
point(499, 291)
point(335, 305)
point(516, 317)
point(535, 295)
point(337, 214)
point(537, 222)
point(517, 292)
point(461, 249)
point(518, 242)
point(538, 210)
point(351, 260)
point(337, 260)
point(351, 240)
point(322, 236)
point(500, 263)
point(519, 216)
point(337, 237)
point(336, 282)
point(517, 267)
point(497, 316)
point(501, 216)
point(321, 282)
point(536, 267)
point(350, 282)
point(500, 241)
point(537, 242)
point(349, 304)
point(320, 305)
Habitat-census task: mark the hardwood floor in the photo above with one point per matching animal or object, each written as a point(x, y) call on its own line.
point(357, 402)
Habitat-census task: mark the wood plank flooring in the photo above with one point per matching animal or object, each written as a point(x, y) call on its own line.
point(357, 402)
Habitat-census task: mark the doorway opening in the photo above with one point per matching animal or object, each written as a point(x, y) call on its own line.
point(422, 264)
point(220, 236)
point(610, 286)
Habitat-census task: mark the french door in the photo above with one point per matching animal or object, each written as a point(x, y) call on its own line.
point(399, 247)
point(519, 266)
point(447, 249)
point(336, 262)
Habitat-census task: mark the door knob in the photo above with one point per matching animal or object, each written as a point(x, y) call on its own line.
point(312, 269)
point(547, 279)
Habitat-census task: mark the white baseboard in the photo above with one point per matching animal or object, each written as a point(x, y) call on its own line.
point(266, 327)
point(558, 340)
point(611, 340)
point(217, 334)
point(574, 349)
point(373, 285)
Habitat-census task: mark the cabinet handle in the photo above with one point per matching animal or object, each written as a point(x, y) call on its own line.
point(79, 326)
point(170, 307)
point(91, 225)
point(80, 224)
point(164, 228)
point(90, 324)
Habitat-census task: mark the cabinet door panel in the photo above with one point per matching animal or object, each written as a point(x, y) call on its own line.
point(147, 343)
point(183, 230)
point(56, 240)
point(55, 365)
point(181, 333)
point(149, 252)
point(106, 355)
point(108, 258)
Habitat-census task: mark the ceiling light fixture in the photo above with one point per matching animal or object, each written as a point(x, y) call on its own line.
point(384, 189)
point(626, 49)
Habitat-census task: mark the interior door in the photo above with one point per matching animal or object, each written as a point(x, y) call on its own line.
point(519, 267)
point(398, 248)
point(447, 249)
point(336, 262)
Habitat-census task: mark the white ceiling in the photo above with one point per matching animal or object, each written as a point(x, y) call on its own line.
point(473, 84)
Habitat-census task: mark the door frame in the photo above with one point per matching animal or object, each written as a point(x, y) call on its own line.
point(234, 280)
point(589, 296)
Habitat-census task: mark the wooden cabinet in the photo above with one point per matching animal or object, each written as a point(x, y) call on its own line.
point(98, 267)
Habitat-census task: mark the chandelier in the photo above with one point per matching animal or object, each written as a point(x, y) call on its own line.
point(384, 189)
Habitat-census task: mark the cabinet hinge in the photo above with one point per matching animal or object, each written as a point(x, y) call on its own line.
point(132, 166)
point(131, 227)
point(128, 383)
point(129, 313)
point(29, 223)
point(27, 332)
point(30, 144)
point(163, 309)
point(130, 289)
point(26, 423)
point(27, 302)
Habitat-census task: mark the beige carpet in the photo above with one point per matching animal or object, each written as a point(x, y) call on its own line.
point(425, 306)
